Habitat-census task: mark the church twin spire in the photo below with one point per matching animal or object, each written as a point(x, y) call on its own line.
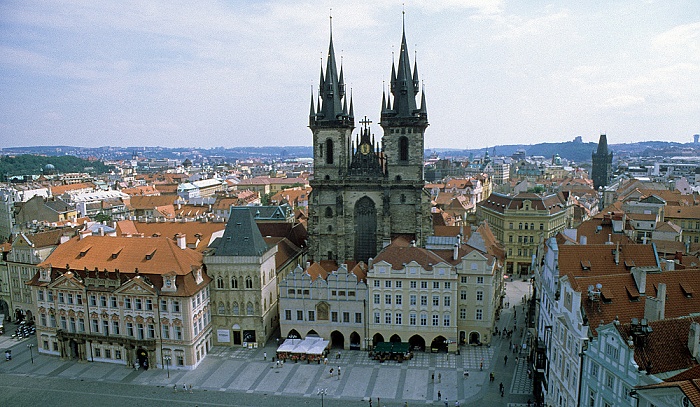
point(332, 109)
point(404, 87)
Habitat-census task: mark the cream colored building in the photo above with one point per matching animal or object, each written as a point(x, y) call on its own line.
point(125, 300)
point(438, 296)
point(521, 221)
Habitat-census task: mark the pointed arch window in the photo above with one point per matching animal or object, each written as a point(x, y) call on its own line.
point(403, 148)
point(235, 308)
point(329, 151)
point(219, 282)
point(249, 309)
point(248, 282)
point(234, 282)
point(221, 308)
point(329, 212)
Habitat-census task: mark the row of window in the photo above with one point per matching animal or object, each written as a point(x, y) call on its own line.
point(138, 331)
point(447, 285)
point(413, 319)
point(334, 316)
point(520, 226)
point(220, 283)
point(413, 300)
point(334, 293)
point(522, 239)
point(136, 303)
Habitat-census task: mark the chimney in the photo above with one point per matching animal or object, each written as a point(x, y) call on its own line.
point(655, 307)
point(670, 265)
point(640, 279)
point(694, 341)
point(308, 264)
point(181, 243)
point(101, 230)
point(583, 240)
point(617, 254)
point(64, 238)
point(679, 256)
point(455, 252)
point(85, 233)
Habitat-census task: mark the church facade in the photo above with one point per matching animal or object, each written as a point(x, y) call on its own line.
point(366, 193)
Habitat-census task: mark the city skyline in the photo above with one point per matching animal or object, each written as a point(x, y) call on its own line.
point(242, 74)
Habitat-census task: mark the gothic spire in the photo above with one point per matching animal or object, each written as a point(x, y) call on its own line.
point(404, 87)
point(332, 109)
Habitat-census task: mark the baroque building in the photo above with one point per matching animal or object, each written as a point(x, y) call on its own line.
point(125, 300)
point(365, 193)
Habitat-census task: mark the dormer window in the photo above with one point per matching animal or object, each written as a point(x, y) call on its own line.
point(198, 276)
point(150, 255)
point(585, 264)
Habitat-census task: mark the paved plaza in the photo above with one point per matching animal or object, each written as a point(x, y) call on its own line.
point(240, 370)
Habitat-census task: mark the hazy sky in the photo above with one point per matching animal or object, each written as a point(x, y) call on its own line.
point(240, 73)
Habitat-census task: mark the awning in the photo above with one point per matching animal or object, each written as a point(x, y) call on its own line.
point(392, 347)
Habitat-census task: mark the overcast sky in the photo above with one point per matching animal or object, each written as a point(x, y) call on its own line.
point(241, 73)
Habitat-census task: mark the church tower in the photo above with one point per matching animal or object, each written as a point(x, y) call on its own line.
point(601, 171)
point(366, 194)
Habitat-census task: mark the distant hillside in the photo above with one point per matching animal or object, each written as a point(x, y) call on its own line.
point(577, 151)
point(27, 164)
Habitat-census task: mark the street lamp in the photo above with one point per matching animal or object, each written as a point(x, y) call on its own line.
point(167, 360)
point(322, 392)
point(30, 346)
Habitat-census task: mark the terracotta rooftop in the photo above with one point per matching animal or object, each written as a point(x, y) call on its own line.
point(62, 189)
point(599, 231)
point(691, 388)
point(193, 231)
point(151, 201)
point(124, 258)
point(148, 255)
point(500, 203)
point(398, 254)
point(666, 347)
point(599, 259)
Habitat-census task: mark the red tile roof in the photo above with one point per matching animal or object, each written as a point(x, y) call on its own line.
point(666, 347)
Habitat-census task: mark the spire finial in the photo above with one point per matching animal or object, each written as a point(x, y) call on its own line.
point(330, 17)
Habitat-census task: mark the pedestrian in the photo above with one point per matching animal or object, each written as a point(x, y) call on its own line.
point(466, 374)
point(370, 402)
point(432, 377)
point(439, 395)
point(528, 402)
point(184, 388)
point(446, 404)
point(338, 372)
point(331, 371)
point(190, 388)
point(264, 355)
point(439, 378)
point(325, 360)
point(175, 388)
point(501, 393)
point(500, 386)
point(505, 360)
point(456, 403)
point(517, 359)
point(481, 366)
